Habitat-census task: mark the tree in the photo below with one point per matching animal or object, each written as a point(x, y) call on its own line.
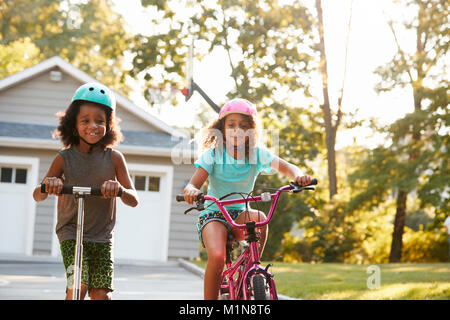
point(330, 128)
point(88, 34)
point(18, 55)
point(270, 53)
point(415, 159)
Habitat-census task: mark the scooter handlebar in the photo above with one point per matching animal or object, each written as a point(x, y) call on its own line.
point(94, 191)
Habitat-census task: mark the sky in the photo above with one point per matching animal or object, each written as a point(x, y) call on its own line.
point(371, 44)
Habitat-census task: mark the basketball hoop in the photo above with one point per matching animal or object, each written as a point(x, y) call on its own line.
point(191, 86)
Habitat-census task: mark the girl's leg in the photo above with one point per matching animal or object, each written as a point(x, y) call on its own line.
point(214, 235)
point(252, 215)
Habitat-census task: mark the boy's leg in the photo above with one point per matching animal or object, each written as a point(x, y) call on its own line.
point(68, 255)
point(101, 270)
point(69, 292)
point(100, 294)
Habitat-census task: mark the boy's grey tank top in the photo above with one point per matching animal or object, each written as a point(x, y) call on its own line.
point(87, 170)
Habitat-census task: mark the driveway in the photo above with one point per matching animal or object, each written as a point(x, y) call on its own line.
point(29, 280)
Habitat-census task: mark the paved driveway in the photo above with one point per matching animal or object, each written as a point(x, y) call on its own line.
point(46, 281)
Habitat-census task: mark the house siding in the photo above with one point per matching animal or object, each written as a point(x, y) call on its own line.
point(39, 99)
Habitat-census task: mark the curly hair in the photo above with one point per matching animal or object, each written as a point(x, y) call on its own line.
point(67, 132)
point(213, 134)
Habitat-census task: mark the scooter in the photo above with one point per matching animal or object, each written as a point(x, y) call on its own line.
point(80, 193)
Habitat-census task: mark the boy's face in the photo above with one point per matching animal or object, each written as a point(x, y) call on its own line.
point(236, 128)
point(91, 122)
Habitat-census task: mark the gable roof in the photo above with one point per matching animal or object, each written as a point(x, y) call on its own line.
point(31, 135)
point(84, 77)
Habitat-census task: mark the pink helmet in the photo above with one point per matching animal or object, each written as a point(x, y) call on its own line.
point(238, 106)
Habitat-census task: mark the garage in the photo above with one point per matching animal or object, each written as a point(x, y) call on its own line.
point(144, 234)
point(18, 176)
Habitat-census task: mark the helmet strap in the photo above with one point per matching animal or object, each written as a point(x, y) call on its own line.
point(91, 145)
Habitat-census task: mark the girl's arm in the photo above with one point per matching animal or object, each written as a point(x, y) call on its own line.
point(110, 188)
point(52, 180)
point(291, 171)
point(193, 188)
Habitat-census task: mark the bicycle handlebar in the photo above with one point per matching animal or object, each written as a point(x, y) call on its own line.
point(93, 191)
point(292, 187)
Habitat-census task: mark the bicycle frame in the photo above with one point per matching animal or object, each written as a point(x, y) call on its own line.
point(249, 259)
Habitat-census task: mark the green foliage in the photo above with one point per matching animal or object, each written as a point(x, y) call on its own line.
point(290, 208)
point(18, 55)
point(89, 34)
point(294, 249)
point(267, 44)
point(425, 246)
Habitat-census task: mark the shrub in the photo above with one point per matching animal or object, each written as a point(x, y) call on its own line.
point(424, 246)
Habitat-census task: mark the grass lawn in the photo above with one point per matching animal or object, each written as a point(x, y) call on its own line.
point(324, 281)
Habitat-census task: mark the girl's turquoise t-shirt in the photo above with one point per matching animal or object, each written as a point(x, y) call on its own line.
point(227, 174)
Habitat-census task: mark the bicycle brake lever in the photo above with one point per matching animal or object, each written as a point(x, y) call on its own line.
point(200, 207)
point(188, 210)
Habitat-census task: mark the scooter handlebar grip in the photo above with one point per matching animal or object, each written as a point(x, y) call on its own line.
point(96, 191)
point(64, 190)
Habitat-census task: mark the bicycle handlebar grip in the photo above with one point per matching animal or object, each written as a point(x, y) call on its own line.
point(313, 181)
point(180, 197)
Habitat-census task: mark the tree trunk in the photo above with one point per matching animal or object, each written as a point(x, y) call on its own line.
point(399, 225)
point(330, 130)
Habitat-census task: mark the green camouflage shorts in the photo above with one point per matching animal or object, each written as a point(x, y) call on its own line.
point(97, 264)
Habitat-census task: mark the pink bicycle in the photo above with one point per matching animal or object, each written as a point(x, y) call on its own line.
point(245, 278)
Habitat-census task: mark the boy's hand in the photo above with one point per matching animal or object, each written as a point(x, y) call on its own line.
point(190, 194)
point(303, 180)
point(53, 185)
point(110, 189)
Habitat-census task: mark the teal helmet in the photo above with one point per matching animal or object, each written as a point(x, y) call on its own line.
point(95, 92)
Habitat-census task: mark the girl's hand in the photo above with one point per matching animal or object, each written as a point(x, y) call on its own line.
point(303, 180)
point(53, 185)
point(110, 189)
point(190, 194)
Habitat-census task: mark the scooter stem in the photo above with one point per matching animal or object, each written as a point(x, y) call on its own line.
point(78, 248)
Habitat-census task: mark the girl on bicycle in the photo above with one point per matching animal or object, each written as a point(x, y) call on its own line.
point(88, 129)
point(232, 161)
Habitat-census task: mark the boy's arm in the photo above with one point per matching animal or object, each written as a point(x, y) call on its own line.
point(289, 170)
point(129, 194)
point(52, 180)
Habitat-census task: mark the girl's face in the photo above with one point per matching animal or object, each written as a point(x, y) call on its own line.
point(236, 128)
point(91, 122)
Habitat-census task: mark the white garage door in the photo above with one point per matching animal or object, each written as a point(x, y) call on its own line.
point(142, 233)
point(17, 208)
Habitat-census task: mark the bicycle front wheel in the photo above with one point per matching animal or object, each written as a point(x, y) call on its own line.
point(259, 287)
